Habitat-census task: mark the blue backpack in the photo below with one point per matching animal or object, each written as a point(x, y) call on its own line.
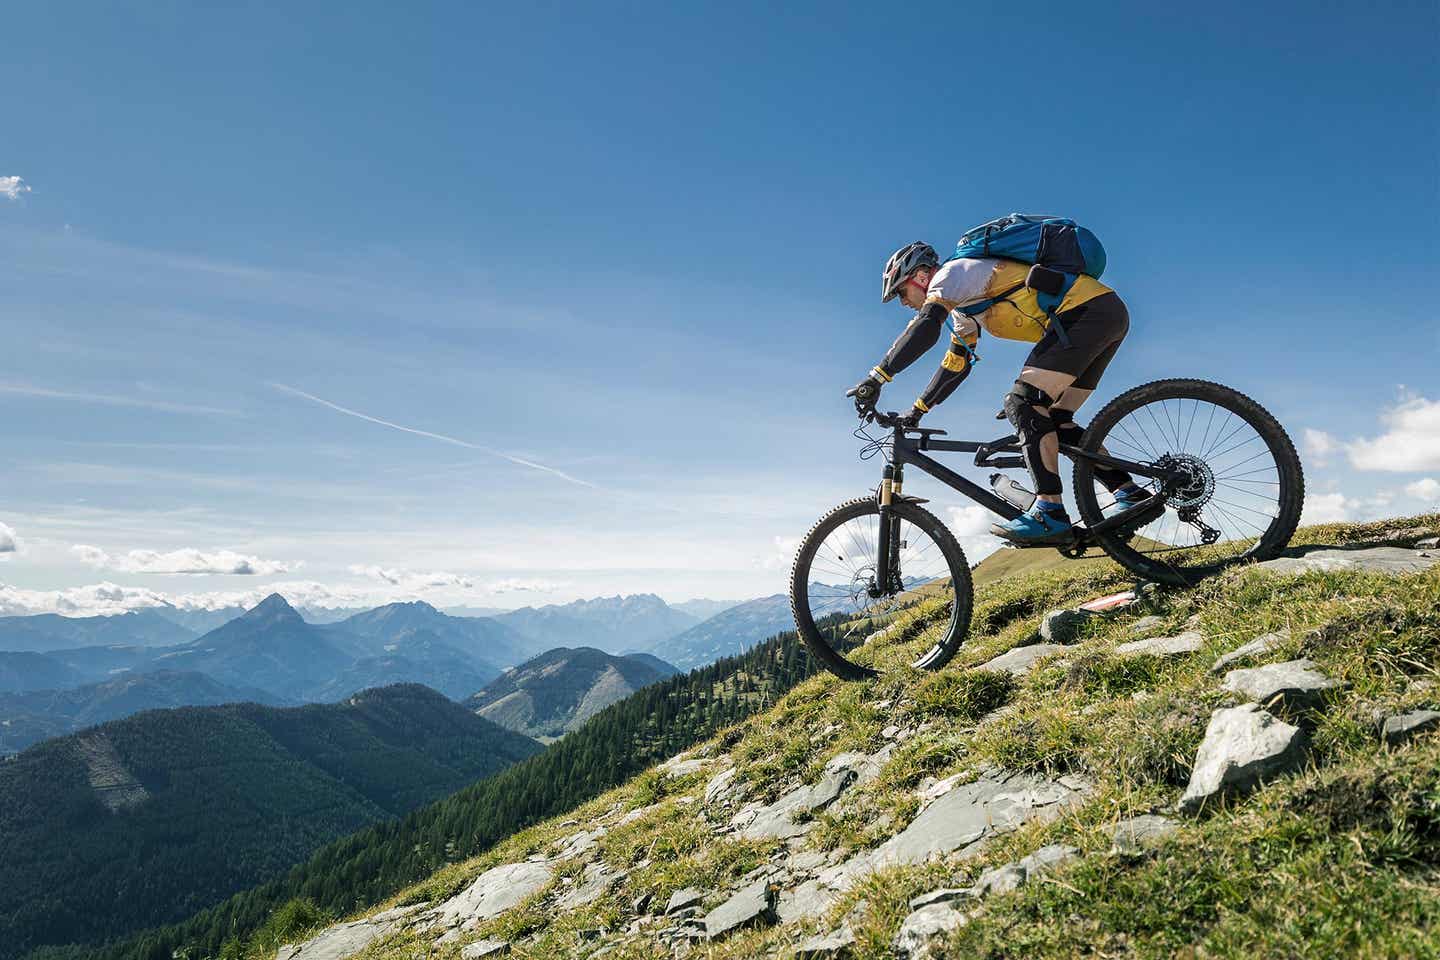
point(1052, 242)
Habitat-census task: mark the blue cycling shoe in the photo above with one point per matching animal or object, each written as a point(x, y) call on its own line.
point(1045, 523)
point(1127, 499)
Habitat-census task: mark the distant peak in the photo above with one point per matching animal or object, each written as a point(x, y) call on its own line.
point(272, 606)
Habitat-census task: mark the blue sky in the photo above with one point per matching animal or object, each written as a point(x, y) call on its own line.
point(628, 256)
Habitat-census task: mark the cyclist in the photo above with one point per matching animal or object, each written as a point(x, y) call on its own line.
point(1056, 378)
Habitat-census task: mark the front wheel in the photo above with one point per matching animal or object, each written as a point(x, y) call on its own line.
point(1239, 490)
point(838, 603)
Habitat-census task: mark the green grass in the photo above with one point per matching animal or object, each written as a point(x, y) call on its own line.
point(1341, 859)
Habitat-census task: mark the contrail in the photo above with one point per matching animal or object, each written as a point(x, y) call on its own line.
point(454, 441)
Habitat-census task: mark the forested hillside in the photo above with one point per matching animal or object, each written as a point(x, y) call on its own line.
point(148, 819)
point(614, 745)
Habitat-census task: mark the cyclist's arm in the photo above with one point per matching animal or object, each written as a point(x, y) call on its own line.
point(954, 368)
point(919, 335)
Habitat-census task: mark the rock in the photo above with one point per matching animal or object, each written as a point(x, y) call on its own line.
point(778, 819)
point(344, 939)
point(971, 813)
point(1243, 746)
point(836, 943)
point(1146, 624)
point(1429, 543)
point(1373, 559)
point(719, 788)
point(578, 844)
point(595, 881)
point(1295, 683)
point(1022, 660)
point(806, 902)
point(1063, 626)
point(484, 948)
point(753, 904)
point(641, 904)
point(942, 895)
point(495, 891)
point(1261, 644)
point(1400, 728)
point(919, 931)
point(1001, 879)
point(1134, 836)
point(1176, 646)
point(638, 814)
point(1011, 876)
point(682, 765)
point(688, 897)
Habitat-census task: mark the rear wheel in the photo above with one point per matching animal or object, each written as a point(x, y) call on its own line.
point(838, 604)
point(1240, 490)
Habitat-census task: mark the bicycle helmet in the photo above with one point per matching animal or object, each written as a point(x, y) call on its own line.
point(902, 263)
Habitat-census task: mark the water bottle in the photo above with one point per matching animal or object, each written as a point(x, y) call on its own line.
point(1011, 492)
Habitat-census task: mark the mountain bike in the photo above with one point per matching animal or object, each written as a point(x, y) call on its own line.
point(1226, 486)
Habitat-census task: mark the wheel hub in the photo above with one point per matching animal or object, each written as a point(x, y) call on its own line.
point(1192, 484)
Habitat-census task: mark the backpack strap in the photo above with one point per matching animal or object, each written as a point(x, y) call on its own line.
point(980, 306)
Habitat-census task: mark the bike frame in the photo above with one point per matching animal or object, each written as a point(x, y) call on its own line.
point(905, 450)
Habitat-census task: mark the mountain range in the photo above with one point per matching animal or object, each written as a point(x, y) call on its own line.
point(611, 624)
point(732, 631)
point(559, 690)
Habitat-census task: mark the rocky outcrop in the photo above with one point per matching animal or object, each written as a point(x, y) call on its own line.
point(346, 939)
point(1397, 729)
point(1295, 684)
point(1258, 647)
point(1242, 747)
point(1176, 646)
point(1368, 559)
point(1022, 660)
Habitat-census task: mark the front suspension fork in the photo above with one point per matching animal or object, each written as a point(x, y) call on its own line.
point(887, 549)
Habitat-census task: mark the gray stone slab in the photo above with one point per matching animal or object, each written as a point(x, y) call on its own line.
point(495, 891)
point(1022, 660)
point(1011, 876)
point(688, 897)
point(1135, 835)
point(779, 819)
point(484, 948)
point(336, 943)
point(1400, 728)
point(973, 812)
point(925, 929)
point(1429, 543)
point(808, 901)
point(1298, 684)
point(837, 943)
point(1243, 746)
point(749, 906)
point(1261, 645)
point(1373, 559)
point(720, 786)
point(1176, 646)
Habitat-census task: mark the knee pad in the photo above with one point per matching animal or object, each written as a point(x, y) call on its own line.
point(1030, 426)
point(1066, 428)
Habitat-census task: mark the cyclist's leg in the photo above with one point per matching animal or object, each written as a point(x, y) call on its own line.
point(1095, 330)
point(1062, 412)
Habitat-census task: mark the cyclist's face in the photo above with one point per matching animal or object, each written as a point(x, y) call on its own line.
point(912, 291)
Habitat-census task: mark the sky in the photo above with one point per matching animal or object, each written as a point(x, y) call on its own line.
point(497, 305)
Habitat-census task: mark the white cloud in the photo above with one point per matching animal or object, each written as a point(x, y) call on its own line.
point(523, 585)
point(12, 187)
point(971, 526)
point(9, 542)
point(1319, 446)
point(414, 580)
point(1329, 508)
point(107, 599)
point(1411, 440)
point(185, 561)
point(1426, 489)
point(781, 553)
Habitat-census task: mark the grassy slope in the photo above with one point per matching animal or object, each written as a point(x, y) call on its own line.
point(1342, 859)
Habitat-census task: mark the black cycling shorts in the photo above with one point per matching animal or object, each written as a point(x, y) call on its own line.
point(1096, 329)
